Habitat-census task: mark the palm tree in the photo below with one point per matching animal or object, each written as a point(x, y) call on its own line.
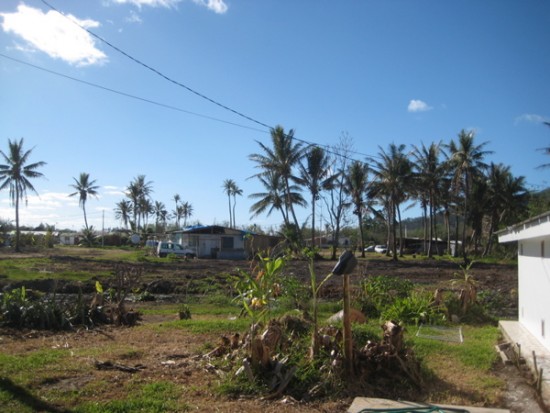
point(186, 212)
point(137, 191)
point(393, 181)
point(177, 199)
point(356, 185)
point(429, 171)
point(234, 192)
point(315, 175)
point(15, 175)
point(231, 189)
point(506, 199)
point(275, 197)
point(84, 188)
point(467, 162)
point(123, 210)
point(160, 212)
point(281, 159)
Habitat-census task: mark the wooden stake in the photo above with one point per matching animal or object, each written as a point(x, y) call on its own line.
point(348, 343)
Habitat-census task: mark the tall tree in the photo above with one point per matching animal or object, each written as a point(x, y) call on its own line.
point(315, 175)
point(428, 178)
point(84, 187)
point(228, 189)
point(466, 158)
point(356, 185)
point(160, 212)
point(393, 181)
point(186, 212)
point(281, 159)
point(138, 190)
point(337, 199)
point(123, 212)
point(235, 191)
point(177, 199)
point(507, 199)
point(15, 174)
point(272, 199)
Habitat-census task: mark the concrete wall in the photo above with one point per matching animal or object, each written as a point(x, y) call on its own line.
point(534, 287)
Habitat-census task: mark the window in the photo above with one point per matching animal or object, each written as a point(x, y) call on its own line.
point(227, 242)
point(520, 249)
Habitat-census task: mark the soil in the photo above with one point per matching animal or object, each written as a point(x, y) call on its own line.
point(171, 355)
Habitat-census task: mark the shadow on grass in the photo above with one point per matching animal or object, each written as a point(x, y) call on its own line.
point(26, 398)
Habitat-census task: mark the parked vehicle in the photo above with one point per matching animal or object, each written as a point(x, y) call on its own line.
point(166, 248)
point(381, 249)
point(370, 248)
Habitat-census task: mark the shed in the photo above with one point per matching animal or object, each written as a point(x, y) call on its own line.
point(533, 238)
point(214, 241)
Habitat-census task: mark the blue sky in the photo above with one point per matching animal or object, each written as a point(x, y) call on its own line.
point(408, 72)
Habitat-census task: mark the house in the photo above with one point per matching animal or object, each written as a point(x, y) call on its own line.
point(533, 238)
point(214, 241)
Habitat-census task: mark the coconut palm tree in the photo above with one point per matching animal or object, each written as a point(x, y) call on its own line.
point(429, 171)
point(160, 212)
point(84, 187)
point(234, 192)
point(315, 175)
point(393, 181)
point(272, 199)
point(281, 158)
point(356, 185)
point(15, 174)
point(186, 212)
point(137, 191)
point(506, 199)
point(123, 211)
point(466, 160)
point(177, 199)
point(227, 188)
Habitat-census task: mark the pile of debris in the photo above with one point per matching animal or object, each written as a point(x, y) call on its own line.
point(263, 355)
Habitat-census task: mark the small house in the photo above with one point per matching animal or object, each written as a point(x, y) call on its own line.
point(214, 241)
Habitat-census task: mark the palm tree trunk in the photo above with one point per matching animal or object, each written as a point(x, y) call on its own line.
point(17, 231)
point(230, 216)
point(312, 221)
point(85, 219)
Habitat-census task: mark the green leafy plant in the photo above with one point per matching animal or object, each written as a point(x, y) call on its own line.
point(414, 309)
point(258, 288)
point(378, 293)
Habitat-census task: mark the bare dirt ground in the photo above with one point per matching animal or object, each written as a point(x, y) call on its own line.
point(171, 355)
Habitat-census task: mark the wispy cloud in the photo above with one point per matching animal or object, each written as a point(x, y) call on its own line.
point(217, 6)
point(418, 106)
point(134, 17)
point(54, 35)
point(531, 118)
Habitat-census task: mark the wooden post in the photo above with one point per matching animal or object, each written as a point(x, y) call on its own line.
point(348, 343)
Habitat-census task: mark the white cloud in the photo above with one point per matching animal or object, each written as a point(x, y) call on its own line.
point(134, 17)
point(531, 118)
point(418, 106)
point(53, 34)
point(151, 3)
point(217, 6)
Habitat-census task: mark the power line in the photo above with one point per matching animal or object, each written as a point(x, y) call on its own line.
point(201, 95)
point(128, 95)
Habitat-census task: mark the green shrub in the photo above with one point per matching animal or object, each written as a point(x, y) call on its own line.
point(413, 309)
point(378, 293)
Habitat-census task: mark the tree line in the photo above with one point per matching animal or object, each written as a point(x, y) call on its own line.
point(450, 182)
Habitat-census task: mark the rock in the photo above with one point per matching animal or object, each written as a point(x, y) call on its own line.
point(355, 316)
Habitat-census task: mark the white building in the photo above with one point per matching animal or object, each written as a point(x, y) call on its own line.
point(533, 238)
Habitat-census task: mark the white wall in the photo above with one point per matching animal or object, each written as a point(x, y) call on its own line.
point(534, 286)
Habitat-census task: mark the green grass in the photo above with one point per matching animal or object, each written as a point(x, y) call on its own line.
point(207, 326)
point(477, 350)
point(157, 397)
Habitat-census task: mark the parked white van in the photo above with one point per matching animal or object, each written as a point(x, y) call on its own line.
point(166, 248)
